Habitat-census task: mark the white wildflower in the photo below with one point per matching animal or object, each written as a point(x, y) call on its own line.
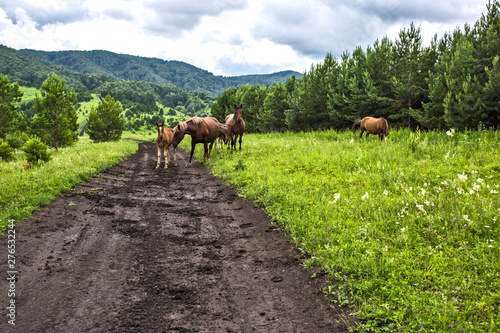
point(451, 132)
point(385, 192)
point(365, 196)
point(476, 187)
point(493, 192)
point(336, 196)
point(462, 177)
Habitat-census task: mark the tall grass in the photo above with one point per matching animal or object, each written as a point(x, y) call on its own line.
point(23, 191)
point(407, 228)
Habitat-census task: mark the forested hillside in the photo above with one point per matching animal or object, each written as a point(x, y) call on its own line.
point(453, 82)
point(133, 68)
point(149, 89)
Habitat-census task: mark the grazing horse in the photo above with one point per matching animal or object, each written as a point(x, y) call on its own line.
point(202, 130)
point(224, 136)
point(164, 140)
point(236, 125)
point(372, 126)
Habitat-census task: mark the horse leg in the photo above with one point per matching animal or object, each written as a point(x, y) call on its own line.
point(165, 154)
point(175, 159)
point(193, 145)
point(361, 134)
point(233, 142)
point(210, 150)
point(205, 153)
point(159, 157)
point(367, 133)
point(241, 139)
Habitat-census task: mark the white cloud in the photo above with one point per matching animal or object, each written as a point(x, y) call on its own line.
point(226, 37)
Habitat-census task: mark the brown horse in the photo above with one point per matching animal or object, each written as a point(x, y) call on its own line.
point(202, 130)
point(236, 125)
point(164, 140)
point(372, 126)
point(224, 136)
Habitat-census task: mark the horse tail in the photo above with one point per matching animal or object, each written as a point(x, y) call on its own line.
point(356, 123)
point(385, 126)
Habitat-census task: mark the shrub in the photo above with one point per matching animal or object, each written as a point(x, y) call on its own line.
point(6, 151)
point(36, 150)
point(17, 139)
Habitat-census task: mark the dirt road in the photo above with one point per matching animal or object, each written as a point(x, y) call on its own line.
point(144, 250)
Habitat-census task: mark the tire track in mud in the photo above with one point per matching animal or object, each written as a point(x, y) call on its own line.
point(167, 250)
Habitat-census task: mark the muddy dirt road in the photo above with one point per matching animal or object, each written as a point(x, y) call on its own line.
point(144, 250)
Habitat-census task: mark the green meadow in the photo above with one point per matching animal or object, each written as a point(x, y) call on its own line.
point(407, 228)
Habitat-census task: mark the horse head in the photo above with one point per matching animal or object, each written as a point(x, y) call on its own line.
point(159, 128)
point(238, 113)
point(179, 132)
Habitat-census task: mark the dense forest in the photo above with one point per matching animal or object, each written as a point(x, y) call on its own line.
point(163, 72)
point(452, 83)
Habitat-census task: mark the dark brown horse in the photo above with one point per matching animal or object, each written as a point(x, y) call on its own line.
point(236, 126)
point(202, 130)
point(164, 139)
point(372, 126)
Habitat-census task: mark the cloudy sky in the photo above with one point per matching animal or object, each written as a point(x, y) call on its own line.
point(226, 37)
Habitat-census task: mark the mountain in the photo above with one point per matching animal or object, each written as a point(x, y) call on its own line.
point(134, 68)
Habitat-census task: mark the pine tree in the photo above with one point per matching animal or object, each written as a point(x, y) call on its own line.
point(55, 120)
point(9, 96)
point(105, 123)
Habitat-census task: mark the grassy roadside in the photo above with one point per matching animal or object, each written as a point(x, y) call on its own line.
point(408, 229)
point(23, 191)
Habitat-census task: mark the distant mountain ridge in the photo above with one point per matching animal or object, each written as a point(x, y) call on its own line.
point(135, 68)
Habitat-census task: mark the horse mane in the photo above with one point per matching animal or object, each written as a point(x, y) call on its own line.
point(196, 120)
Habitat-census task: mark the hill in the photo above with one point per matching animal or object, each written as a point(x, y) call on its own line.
point(134, 68)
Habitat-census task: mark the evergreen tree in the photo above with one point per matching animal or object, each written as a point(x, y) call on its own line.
point(55, 120)
point(272, 116)
point(105, 123)
point(9, 96)
point(408, 83)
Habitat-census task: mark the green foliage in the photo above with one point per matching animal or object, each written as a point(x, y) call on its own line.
point(30, 67)
point(6, 151)
point(104, 122)
point(10, 94)
point(17, 139)
point(55, 120)
point(408, 229)
point(36, 151)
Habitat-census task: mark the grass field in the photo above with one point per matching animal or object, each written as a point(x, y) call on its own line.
point(407, 228)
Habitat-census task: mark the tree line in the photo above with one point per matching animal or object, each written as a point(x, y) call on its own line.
point(54, 120)
point(452, 83)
